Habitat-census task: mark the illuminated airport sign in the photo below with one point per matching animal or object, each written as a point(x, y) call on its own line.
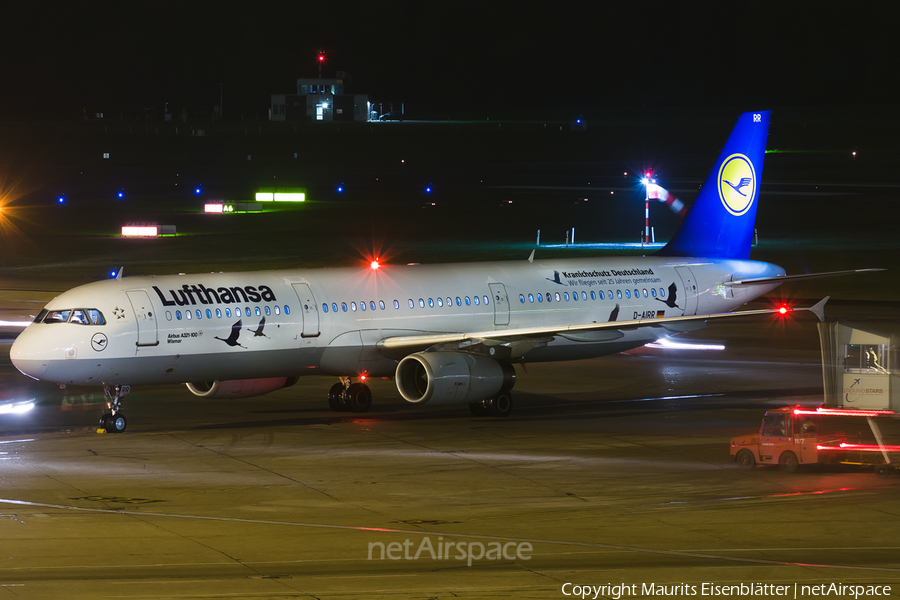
point(214, 208)
point(140, 230)
point(281, 195)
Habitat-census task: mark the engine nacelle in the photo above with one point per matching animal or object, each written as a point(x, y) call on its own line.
point(239, 388)
point(452, 377)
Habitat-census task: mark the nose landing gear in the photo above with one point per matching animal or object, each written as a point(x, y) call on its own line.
point(114, 421)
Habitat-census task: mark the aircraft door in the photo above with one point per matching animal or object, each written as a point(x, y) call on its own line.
point(144, 317)
point(501, 303)
point(309, 309)
point(689, 283)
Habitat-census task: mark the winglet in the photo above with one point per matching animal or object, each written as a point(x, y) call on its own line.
point(119, 272)
point(818, 308)
point(531, 257)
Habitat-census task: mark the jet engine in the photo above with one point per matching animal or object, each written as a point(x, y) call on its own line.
point(452, 377)
point(239, 388)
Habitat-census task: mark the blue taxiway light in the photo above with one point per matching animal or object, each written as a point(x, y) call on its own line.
point(197, 190)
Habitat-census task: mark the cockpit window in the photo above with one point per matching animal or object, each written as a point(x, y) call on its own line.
point(81, 316)
point(57, 316)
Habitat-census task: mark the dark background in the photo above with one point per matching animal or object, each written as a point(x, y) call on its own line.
point(444, 59)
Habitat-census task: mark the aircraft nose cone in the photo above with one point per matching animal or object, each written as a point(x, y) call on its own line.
point(24, 357)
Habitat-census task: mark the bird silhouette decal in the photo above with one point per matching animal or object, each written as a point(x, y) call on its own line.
point(744, 182)
point(555, 278)
point(672, 297)
point(614, 314)
point(258, 332)
point(232, 340)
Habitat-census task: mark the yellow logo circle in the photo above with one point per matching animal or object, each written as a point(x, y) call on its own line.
point(737, 184)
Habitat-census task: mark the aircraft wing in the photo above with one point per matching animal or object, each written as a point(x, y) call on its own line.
point(502, 336)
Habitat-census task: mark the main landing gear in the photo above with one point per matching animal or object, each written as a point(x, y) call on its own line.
point(114, 421)
point(349, 397)
point(498, 406)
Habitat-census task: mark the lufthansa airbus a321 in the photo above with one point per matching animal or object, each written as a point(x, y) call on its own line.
point(447, 333)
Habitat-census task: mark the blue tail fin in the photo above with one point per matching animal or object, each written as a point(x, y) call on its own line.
point(720, 222)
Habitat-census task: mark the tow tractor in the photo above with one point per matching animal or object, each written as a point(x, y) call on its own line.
point(794, 436)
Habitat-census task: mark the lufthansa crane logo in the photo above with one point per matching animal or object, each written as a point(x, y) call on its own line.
point(737, 184)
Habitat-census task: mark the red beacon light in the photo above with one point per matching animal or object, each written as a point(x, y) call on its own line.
point(374, 264)
point(783, 310)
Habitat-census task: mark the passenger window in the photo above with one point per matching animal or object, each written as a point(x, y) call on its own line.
point(247, 310)
point(178, 315)
point(57, 316)
point(540, 297)
point(602, 297)
point(627, 294)
point(344, 306)
point(168, 315)
point(458, 301)
point(584, 295)
point(257, 311)
point(208, 314)
point(227, 313)
point(397, 304)
point(653, 292)
point(468, 302)
point(662, 293)
point(440, 301)
point(476, 300)
point(619, 294)
point(522, 298)
point(637, 293)
point(557, 296)
point(531, 298)
point(486, 301)
point(269, 312)
point(353, 306)
point(372, 304)
point(79, 316)
point(199, 314)
point(97, 316)
point(187, 315)
point(593, 295)
point(645, 292)
point(325, 307)
point(411, 303)
point(278, 310)
point(362, 305)
point(549, 297)
point(449, 301)
point(609, 293)
point(287, 309)
point(333, 308)
point(430, 303)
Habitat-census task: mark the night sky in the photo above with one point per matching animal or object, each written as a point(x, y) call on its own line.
point(445, 59)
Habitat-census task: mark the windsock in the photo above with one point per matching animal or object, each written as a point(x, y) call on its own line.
point(662, 194)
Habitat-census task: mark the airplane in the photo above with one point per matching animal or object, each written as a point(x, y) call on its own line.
point(446, 333)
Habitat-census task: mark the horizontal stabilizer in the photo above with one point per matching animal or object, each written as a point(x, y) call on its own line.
point(783, 278)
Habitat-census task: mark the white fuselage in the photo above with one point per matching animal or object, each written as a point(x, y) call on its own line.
point(184, 328)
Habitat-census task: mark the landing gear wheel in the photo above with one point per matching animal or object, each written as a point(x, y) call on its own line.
point(501, 405)
point(334, 397)
point(359, 397)
point(116, 423)
point(478, 409)
point(788, 462)
point(745, 460)
point(884, 471)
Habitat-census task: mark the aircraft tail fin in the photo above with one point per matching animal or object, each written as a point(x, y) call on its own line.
point(720, 222)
